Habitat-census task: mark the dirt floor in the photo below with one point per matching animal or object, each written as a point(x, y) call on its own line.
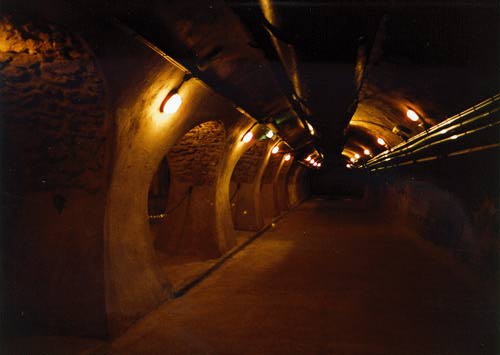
point(330, 278)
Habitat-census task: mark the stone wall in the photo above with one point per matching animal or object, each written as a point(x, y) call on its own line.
point(195, 158)
point(53, 107)
point(54, 124)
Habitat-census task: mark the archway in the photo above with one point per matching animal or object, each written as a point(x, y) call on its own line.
point(298, 184)
point(185, 232)
point(158, 192)
point(267, 189)
point(245, 187)
point(194, 162)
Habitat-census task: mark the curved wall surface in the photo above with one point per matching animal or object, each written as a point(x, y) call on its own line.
point(85, 137)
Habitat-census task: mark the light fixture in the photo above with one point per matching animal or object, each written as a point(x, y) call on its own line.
point(171, 103)
point(454, 136)
point(367, 152)
point(311, 128)
point(270, 134)
point(348, 166)
point(352, 159)
point(247, 137)
point(319, 165)
point(312, 161)
point(357, 156)
point(381, 141)
point(275, 149)
point(308, 158)
point(315, 164)
point(412, 115)
point(288, 157)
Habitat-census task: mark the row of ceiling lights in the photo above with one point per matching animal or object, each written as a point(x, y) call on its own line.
point(248, 137)
point(172, 102)
point(411, 114)
point(314, 162)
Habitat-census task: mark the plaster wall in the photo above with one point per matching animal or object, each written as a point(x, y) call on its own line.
point(247, 178)
point(84, 123)
point(144, 137)
point(268, 186)
point(281, 187)
point(298, 186)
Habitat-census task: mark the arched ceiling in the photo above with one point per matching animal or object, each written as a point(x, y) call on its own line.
point(364, 64)
point(436, 63)
point(352, 69)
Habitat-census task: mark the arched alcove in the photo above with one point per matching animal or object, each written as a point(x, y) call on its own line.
point(158, 192)
point(267, 189)
point(136, 250)
point(187, 230)
point(245, 187)
point(298, 184)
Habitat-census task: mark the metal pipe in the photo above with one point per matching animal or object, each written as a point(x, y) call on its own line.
point(412, 148)
point(448, 126)
point(286, 52)
point(463, 151)
point(435, 157)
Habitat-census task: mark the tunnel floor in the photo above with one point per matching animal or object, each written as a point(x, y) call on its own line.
point(331, 278)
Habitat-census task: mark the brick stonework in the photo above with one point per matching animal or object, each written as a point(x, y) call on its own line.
point(53, 108)
point(195, 158)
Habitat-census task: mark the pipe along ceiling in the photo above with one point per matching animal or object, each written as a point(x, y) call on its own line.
point(331, 78)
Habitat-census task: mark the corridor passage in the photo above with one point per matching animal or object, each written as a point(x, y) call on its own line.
point(331, 277)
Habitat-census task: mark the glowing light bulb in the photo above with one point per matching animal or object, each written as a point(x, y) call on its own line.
point(412, 115)
point(381, 141)
point(352, 159)
point(348, 166)
point(312, 161)
point(357, 156)
point(247, 137)
point(454, 136)
point(319, 165)
point(288, 157)
point(308, 158)
point(275, 150)
point(269, 134)
point(311, 128)
point(315, 164)
point(367, 152)
point(171, 103)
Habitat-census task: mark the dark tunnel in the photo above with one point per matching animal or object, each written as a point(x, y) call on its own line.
point(250, 177)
